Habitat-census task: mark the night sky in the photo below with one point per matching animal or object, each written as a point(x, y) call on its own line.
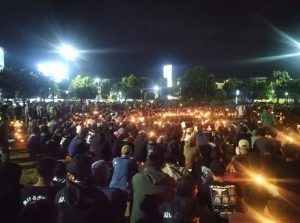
point(122, 37)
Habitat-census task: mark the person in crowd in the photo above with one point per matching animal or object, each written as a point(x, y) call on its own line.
point(190, 150)
point(34, 145)
point(80, 201)
point(267, 117)
point(60, 175)
point(42, 189)
point(78, 144)
point(220, 196)
point(4, 134)
point(116, 197)
point(101, 147)
point(172, 167)
point(140, 147)
point(39, 211)
point(10, 191)
point(184, 207)
point(124, 168)
point(118, 142)
point(201, 168)
point(151, 188)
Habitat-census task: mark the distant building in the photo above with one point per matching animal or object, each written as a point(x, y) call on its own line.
point(260, 79)
point(1, 58)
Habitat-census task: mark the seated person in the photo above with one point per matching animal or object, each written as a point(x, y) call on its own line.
point(80, 201)
point(184, 207)
point(42, 189)
point(39, 211)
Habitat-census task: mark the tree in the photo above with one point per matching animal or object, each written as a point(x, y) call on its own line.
point(24, 84)
point(83, 87)
point(106, 86)
point(132, 86)
point(196, 83)
point(230, 87)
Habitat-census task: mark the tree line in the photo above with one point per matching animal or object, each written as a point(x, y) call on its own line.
point(194, 84)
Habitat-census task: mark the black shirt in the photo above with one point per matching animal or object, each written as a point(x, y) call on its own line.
point(34, 193)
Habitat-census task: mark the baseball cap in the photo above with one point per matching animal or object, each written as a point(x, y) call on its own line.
point(244, 143)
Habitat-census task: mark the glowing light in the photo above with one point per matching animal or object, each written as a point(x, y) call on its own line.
point(151, 134)
point(55, 70)
point(68, 52)
point(168, 75)
point(260, 180)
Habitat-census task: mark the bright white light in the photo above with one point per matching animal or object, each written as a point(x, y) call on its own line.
point(97, 80)
point(168, 75)
point(286, 93)
point(68, 52)
point(57, 71)
point(1, 58)
point(156, 88)
point(237, 92)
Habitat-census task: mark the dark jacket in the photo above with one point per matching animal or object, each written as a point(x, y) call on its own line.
point(151, 188)
point(81, 203)
point(140, 148)
point(180, 210)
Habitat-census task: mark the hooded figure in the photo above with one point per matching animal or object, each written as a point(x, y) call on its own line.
point(151, 188)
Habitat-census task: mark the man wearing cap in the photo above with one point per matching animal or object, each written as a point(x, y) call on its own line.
point(243, 147)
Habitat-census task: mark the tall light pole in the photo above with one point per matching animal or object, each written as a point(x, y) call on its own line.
point(69, 53)
point(237, 93)
point(97, 81)
point(156, 91)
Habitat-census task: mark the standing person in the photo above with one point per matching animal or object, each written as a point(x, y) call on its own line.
point(267, 118)
point(151, 188)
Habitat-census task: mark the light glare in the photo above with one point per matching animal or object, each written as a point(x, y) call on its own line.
point(56, 70)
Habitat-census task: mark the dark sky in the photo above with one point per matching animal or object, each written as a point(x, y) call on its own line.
point(122, 36)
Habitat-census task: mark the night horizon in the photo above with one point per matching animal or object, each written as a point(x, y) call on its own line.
point(139, 37)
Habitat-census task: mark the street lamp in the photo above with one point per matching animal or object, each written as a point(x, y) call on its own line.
point(286, 96)
point(237, 93)
point(156, 90)
point(97, 81)
point(69, 53)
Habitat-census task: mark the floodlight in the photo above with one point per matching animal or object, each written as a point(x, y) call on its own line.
point(68, 52)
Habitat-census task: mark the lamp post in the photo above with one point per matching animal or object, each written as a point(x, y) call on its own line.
point(237, 93)
point(97, 81)
point(156, 90)
point(69, 53)
point(286, 96)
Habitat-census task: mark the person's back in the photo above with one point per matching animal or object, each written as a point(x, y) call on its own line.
point(151, 188)
point(10, 191)
point(184, 207)
point(79, 201)
point(78, 144)
point(124, 168)
point(140, 148)
point(42, 189)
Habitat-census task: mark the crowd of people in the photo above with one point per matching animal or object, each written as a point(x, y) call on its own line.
point(143, 163)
